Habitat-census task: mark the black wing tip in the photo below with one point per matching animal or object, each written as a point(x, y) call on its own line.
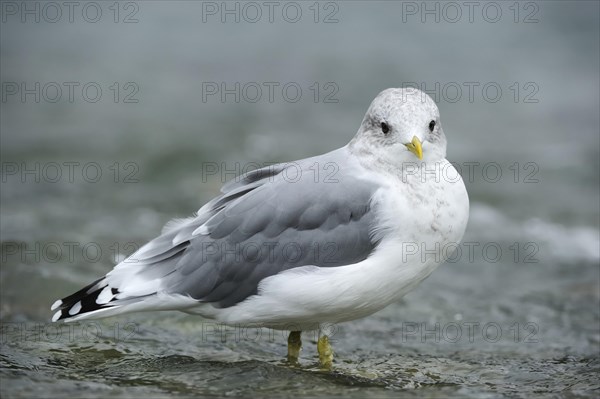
point(82, 301)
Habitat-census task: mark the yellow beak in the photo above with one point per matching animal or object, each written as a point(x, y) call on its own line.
point(415, 147)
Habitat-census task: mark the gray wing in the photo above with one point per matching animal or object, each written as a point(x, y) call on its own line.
point(311, 212)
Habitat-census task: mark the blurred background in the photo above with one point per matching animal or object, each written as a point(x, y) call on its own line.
point(118, 116)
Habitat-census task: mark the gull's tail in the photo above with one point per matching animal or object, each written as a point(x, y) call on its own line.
point(94, 301)
point(125, 289)
point(141, 282)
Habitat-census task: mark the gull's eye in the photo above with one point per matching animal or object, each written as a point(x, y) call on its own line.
point(431, 126)
point(385, 128)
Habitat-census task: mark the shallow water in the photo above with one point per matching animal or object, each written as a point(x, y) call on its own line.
point(515, 314)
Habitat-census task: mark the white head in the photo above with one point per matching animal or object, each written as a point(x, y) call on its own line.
point(401, 125)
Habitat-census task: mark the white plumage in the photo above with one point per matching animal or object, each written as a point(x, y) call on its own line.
point(395, 207)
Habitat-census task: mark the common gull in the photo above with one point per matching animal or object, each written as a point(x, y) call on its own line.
point(297, 246)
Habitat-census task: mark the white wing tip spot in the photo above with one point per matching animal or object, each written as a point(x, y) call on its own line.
point(56, 316)
point(56, 305)
point(75, 309)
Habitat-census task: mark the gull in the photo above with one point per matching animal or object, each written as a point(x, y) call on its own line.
point(301, 245)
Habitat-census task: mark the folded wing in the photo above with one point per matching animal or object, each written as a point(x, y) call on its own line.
point(270, 220)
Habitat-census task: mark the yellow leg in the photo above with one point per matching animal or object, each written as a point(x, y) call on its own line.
point(325, 352)
point(294, 346)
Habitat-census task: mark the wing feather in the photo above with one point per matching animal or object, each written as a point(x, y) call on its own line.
point(262, 224)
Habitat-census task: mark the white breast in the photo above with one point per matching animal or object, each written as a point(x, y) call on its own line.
point(427, 209)
point(422, 218)
point(417, 222)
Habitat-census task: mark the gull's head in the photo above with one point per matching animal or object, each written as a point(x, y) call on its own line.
point(401, 125)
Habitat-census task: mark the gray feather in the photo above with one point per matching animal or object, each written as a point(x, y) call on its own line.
point(261, 225)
